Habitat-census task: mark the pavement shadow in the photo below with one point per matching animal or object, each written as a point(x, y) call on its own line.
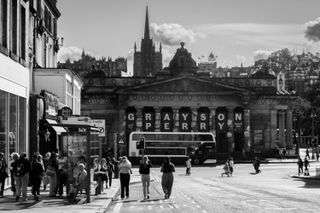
point(309, 183)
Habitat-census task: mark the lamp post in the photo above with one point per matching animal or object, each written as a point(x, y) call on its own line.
point(295, 119)
point(313, 115)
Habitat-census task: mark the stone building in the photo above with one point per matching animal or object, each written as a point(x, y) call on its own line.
point(243, 113)
point(147, 61)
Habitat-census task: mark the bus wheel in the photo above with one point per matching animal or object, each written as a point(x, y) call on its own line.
point(196, 161)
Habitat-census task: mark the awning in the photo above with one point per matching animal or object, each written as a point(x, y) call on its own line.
point(57, 129)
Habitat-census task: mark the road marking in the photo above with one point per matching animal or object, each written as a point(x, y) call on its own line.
point(171, 207)
point(117, 208)
point(176, 206)
point(149, 207)
point(161, 206)
point(204, 211)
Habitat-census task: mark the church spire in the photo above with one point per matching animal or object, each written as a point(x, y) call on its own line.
point(146, 27)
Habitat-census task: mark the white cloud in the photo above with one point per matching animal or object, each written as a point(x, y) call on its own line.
point(312, 31)
point(172, 34)
point(241, 58)
point(73, 53)
point(261, 54)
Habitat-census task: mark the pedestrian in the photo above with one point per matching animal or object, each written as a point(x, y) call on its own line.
point(125, 171)
point(256, 165)
point(3, 173)
point(317, 155)
point(79, 182)
point(110, 171)
point(188, 166)
point(97, 176)
point(36, 176)
point(306, 165)
point(167, 168)
point(226, 169)
point(284, 152)
point(115, 162)
point(104, 170)
point(144, 171)
point(21, 169)
point(300, 166)
point(231, 165)
point(13, 185)
point(46, 178)
point(62, 173)
point(52, 171)
point(307, 154)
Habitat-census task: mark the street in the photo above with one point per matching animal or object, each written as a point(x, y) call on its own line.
point(205, 190)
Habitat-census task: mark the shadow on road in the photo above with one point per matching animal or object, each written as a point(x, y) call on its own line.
point(308, 183)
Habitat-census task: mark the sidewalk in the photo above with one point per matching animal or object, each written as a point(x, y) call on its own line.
point(98, 203)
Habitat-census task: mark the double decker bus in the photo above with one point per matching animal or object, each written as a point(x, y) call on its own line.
point(199, 146)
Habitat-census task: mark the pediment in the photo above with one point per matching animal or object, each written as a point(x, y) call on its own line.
point(184, 84)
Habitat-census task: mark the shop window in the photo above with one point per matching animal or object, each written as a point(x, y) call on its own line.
point(3, 122)
point(23, 33)
point(22, 124)
point(13, 123)
point(14, 26)
point(3, 24)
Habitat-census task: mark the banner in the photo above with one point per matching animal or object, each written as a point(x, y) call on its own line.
point(203, 120)
point(131, 118)
point(166, 120)
point(221, 121)
point(185, 120)
point(148, 119)
point(238, 121)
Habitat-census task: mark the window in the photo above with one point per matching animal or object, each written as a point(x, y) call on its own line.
point(22, 124)
point(55, 28)
point(39, 8)
point(23, 33)
point(69, 95)
point(47, 19)
point(3, 24)
point(14, 26)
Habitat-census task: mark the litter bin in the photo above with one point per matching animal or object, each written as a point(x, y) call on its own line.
point(318, 171)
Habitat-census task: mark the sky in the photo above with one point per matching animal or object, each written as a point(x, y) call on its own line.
point(236, 31)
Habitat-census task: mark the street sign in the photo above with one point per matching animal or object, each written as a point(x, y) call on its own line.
point(100, 124)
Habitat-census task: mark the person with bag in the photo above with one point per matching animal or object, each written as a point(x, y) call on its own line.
point(52, 170)
point(79, 184)
point(36, 176)
point(97, 176)
point(125, 171)
point(167, 168)
point(13, 184)
point(3, 172)
point(144, 171)
point(62, 173)
point(306, 165)
point(46, 178)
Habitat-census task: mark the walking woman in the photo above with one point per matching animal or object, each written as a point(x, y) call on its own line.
point(36, 176)
point(167, 168)
point(3, 172)
point(125, 171)
point(144, 171)
point(110, 171)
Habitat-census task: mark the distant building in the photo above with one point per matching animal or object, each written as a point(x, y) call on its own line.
point(89, 63)
point(147, 61)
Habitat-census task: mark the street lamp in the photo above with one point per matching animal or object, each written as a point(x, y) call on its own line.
point(313, 115)
point(295, 120)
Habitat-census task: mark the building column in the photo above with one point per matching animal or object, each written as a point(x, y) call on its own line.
point(282, 128)
point(175, 119)
point(273, 128)
point(230, 133)
point(289, 129)
point(157, 118)
point(247, 141)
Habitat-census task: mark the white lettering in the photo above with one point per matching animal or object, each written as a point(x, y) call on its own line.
point(238, 116)
point(166, 117)
point(221, 125)
point(203, 126)
point(131, 117)
point(203, 116)
point(166, 126)
point(184, 126)
point(185, 115)
point(148, 125)
point(221, 117)
point(148, 116)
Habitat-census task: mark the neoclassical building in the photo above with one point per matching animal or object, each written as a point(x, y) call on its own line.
point(243, 113)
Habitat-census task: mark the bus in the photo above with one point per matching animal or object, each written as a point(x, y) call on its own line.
point(199, 146)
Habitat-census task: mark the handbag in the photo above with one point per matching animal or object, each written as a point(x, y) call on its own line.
point(50, 172)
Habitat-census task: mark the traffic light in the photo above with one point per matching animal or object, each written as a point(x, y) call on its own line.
point(141, 143)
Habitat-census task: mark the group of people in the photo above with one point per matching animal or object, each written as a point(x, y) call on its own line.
point(52, 170)
point(228, 167)
point(302, 164)
point(103, 171)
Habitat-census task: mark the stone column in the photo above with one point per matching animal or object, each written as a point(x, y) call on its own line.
point(121, 134)
point(247, 132)
point(281, 128)
point(289, 129)
point(230, 134)
point(157, 118)
point(273, 128)
point(175, 119)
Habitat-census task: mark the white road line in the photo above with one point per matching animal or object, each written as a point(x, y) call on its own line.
point(171, 206)
point(204, 211)
point(161, 206)
point(117, 208)
point(176, 206)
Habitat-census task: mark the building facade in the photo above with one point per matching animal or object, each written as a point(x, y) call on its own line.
point(14, 76)
point(243, 113)
point(147, 61)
